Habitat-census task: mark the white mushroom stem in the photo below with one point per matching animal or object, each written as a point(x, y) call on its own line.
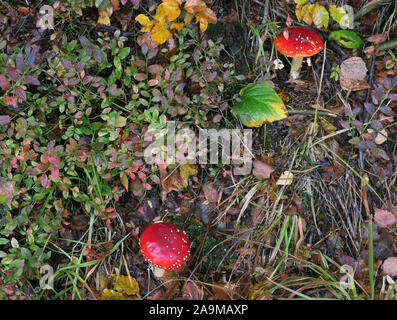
point(295, 68)
point(158, 273)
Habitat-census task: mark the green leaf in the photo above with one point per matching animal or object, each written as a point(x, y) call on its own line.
point(124, 53)
point(347, 39)
point(259, 104)
point(339, 15)
point(320, 16)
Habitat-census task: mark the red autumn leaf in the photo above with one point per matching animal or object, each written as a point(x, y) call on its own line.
point(12, 73)
point(29, 79)
point(4, 83)
point(10, 101)
point(55, 172)
point(20, 93)
point(44, 180)
point(5, 120)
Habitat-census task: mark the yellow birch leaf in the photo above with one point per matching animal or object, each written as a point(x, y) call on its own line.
point(186, 170)
point(104, 17)
point(124, 180)
point(298, 12)
point(176, 26)
point(209, 15)
point(320, 16)
point(160, 33)
point(124, 284)
point(145, 21)
point(188, 18)
point(108, 294)
point(307, 14)
point(195, 6)
point(167, 11)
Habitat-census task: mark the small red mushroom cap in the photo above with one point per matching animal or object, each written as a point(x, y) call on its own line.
point(298, 42)
point(165, 245)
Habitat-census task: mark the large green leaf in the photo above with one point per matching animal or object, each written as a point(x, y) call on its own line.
point(259, 104)
point(347, 39)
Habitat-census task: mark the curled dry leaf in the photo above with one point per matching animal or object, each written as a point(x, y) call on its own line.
point(172, 181)
point(384, 218)
point(381, 136)
point(389, 267)
point(353, 73)
point(285, 179)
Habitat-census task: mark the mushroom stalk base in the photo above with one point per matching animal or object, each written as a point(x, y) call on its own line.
point(158, 272)
point(296, 66)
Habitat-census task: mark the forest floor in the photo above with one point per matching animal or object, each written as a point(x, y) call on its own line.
point(316, 216)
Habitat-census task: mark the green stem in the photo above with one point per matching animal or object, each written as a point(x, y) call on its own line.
point(368, 8)
point(391, 44)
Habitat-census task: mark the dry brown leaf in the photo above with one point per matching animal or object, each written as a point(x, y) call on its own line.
point(384, 218)
point(225, 291)
point(353, 73)
point(377, 38)
point(79, 222)
point(262, 170)
point(192, 291)
point(210, 192)
point(172, 181)
point(389, 267)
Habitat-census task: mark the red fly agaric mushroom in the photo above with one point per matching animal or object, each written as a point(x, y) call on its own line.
point(165, 246)
point(298, 43)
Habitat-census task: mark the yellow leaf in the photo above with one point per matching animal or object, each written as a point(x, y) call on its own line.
point(186, 170)
point(298, 12)
point(124, 180)
point(120, 121)
point(188, 18)
point(167, 11)
point(145, 21)
point(176, 26)
point(104, 17)
point(108, 294)
point(195, 6)
point(160, 33)
point(124, 284)
point(307, 13)
point(320, 16)
point(285, 179)
point(206, 16)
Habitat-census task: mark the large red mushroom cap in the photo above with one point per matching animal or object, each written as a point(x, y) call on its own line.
point(298, 42)
point(165, 245)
